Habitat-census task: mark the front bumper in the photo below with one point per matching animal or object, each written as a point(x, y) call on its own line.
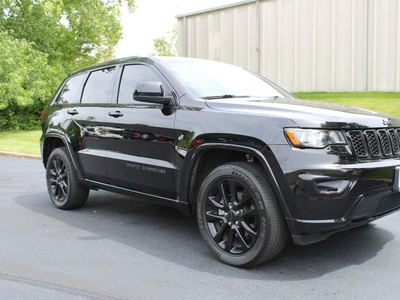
point(366, 208)
point(335, 193)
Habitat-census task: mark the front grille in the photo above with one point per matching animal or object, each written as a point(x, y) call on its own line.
point(375, 143)
point(387, 204)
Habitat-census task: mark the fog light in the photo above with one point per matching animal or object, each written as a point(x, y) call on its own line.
point(331, 187)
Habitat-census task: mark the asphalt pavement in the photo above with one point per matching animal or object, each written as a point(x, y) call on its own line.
point(116, 247)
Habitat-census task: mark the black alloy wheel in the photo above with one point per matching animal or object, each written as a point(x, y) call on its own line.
point(238, 216)
point(64, 188)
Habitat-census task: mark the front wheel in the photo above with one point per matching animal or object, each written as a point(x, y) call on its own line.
point(64, 188)
point(239, 217)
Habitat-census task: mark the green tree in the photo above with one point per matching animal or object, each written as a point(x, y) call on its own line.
point(26, 80)
point(42, 41)
point(168, 45)
point(73, 33)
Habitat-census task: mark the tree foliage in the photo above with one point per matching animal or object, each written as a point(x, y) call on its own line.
point(43, 40)
point(168, 45)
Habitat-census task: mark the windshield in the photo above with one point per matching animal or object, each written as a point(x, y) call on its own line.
point(214, 80)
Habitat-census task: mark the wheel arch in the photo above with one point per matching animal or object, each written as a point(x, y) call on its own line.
point(208, 156)
point(53, 141)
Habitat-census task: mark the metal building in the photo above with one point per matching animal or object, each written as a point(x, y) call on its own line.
point(303, 45)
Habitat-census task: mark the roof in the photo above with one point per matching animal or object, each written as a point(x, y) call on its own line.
point(114, 61)
point(217, 8)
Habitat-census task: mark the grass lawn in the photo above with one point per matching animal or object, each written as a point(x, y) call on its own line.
point(388, 103)
point(27, 142)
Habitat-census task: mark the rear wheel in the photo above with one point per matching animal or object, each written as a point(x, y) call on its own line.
point(65, 190)
point(239, 217)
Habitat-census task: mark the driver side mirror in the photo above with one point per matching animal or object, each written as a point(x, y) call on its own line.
point(152, 92)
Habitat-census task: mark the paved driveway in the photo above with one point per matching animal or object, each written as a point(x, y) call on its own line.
point(117, 247)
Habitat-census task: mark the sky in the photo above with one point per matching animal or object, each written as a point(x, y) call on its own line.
point(153, 19)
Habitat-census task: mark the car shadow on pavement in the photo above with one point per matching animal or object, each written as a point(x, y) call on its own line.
point(171, 236)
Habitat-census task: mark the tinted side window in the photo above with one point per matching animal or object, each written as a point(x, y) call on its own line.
point(99, 86)
point(70, 90)
point(132, 75)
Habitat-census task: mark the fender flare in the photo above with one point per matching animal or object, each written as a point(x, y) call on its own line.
point(270, 175)
point(57, 135)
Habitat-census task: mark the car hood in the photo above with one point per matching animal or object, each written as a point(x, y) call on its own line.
point(305, 113)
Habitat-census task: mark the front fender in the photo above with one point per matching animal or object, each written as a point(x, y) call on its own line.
point(255, 151)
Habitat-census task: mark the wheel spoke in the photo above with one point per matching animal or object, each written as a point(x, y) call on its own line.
point(56, 165)
point(230, 241)
point(211, 217)
point(213, 202)
point(53, 181)
point(252, 234)
point(64, 188)
point(57, 191)
point(220, 234)
point(63, 169)
point(221, 189)
point(252, 213)
point(232, 191)
point(246, 198)
point(241, 239)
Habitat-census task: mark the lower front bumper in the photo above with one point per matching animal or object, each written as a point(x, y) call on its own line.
point(366, 209)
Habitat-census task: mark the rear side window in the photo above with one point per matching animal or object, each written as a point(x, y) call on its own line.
point(70, 90)
point(99, 86)
point(132, 75)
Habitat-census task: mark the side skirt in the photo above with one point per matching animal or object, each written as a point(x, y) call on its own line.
point(184, 207)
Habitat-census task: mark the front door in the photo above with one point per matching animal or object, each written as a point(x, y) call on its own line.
point(140, 139)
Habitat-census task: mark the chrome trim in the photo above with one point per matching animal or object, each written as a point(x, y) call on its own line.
point(396, 179)
point(129, 158)
point(333, 221)
point(94, 152)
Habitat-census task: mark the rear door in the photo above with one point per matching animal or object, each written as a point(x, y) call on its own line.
point(85, 122)
point(140, 138)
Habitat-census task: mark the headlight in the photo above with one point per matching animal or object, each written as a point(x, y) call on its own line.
point(314, 138)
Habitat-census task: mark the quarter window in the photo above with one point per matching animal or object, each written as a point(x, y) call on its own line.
point(70, 90)
point(99, 86)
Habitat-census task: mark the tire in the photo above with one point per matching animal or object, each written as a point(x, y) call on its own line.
point(239, 217)
point(63, 186)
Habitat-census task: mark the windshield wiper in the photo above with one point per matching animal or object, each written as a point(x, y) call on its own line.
point(226, 96)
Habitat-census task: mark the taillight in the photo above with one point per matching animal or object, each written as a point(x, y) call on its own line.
point(42, 116)
point(196, 142)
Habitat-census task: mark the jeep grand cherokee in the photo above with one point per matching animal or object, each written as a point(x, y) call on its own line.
point(253, 163)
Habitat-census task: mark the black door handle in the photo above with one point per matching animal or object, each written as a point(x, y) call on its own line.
point(73, 112)
point(115, 114)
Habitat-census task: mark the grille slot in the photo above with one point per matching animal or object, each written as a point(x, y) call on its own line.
point(394, 140)
point(357, 141)
point(386, 149)
point(387, 204)
point(375, 143)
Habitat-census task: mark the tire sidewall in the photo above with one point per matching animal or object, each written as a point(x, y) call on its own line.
point(251, 183)
point(59, 153)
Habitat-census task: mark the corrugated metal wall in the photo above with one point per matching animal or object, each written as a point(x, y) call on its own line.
point(304, 45)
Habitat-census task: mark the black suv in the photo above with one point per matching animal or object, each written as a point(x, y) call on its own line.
point(252, 162)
